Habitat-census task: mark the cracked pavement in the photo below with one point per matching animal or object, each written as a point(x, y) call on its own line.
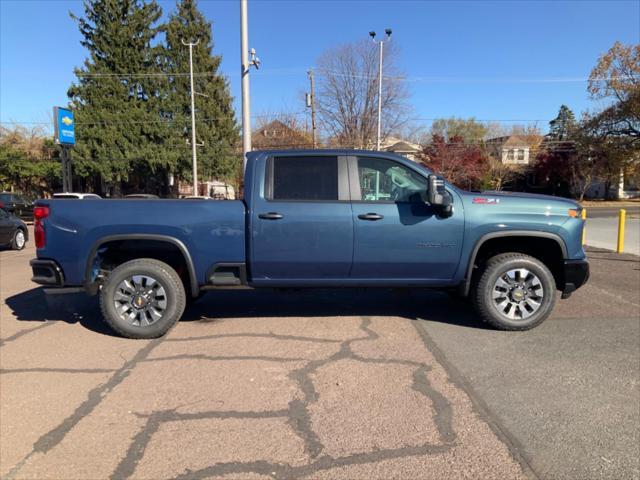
point(320, 384)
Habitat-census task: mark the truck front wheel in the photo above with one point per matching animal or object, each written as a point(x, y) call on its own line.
point(142, 298)
point(514, 292)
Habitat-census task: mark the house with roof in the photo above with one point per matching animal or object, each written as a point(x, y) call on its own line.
point(277, 135)
point(401, 147)
point(510, 149)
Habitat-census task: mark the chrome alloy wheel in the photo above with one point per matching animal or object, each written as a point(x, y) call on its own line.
point(140, 300)
point(517, 294)
point(20, 239)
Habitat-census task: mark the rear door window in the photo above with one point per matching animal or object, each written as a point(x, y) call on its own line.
point(312, 178)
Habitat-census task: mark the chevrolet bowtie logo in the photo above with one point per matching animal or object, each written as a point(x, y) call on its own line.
point(67, 121)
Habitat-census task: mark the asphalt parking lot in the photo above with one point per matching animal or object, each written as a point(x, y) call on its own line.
point(322, 384)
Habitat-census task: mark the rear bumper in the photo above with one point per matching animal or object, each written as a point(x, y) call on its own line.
point(576, 274)
point(46, 272)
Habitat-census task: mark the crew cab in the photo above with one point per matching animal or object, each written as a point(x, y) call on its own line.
point(318, 218)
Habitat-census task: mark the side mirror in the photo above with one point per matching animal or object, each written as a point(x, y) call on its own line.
point(435, 193)
point(439, 197)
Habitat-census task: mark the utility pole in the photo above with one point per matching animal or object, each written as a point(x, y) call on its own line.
point(313, 106)
point(246, 64)
point(193, 118)
point(381, 43)
point(67, 180)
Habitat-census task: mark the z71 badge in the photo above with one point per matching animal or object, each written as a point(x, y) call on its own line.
point(486, 201)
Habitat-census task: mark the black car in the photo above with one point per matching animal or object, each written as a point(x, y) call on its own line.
point(13, 231)
point(17, 205)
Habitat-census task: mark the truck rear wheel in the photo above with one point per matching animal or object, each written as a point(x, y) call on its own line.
point(514, 292)
point(142, 298)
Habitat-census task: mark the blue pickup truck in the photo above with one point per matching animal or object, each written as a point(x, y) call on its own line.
point(318, 218)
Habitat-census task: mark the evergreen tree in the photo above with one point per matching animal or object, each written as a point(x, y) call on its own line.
point(215, 121)
point(561, 127)
point(117, 98)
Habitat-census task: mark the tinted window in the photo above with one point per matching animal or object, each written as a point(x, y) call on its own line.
point(3, 214)
point(5, 197)
point(305, 178)
point(383, 180)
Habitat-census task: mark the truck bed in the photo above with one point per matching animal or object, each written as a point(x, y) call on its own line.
point(212, 231)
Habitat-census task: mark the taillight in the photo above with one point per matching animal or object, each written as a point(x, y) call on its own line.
point(39, 214)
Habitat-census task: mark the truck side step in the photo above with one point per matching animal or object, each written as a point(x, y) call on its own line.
point(227, 275)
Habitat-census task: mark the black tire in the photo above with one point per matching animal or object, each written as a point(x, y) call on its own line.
point(16, 243)
point(143, 326)
point(489, 309)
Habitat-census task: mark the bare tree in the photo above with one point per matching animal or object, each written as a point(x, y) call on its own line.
point(347, 96)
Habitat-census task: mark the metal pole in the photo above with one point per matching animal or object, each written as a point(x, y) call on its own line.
point(313, 107)
point(244, 59)
point(194, 152)
point(380, 95)
point(65, 160)
point(63, 168)
point(69, 171)
point(621, 223)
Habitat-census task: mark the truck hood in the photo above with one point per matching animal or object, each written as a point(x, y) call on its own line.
point(527, 196)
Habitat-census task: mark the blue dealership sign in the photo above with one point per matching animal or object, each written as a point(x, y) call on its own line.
point(64, 126)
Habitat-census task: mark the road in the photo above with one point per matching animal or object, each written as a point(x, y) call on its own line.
point(604, 212)
point(602, 228)
point(322, 384)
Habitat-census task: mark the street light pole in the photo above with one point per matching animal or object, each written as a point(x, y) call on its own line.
point(244, 59)
point(193, 118)
point(381, 43)
point(246, 64)
point(312, 98)
point(379, 96)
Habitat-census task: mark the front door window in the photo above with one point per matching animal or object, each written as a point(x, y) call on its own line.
point(383, 180)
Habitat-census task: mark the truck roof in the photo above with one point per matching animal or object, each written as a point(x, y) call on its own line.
point(334, 151)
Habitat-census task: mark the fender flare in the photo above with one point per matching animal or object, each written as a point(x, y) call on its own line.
point(195, 286)
point(510, 233)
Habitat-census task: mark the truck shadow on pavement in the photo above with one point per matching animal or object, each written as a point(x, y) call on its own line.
point(36, 306)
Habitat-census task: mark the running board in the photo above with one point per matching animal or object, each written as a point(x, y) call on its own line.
point(225, 275)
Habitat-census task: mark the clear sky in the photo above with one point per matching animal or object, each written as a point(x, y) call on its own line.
point(510, 61)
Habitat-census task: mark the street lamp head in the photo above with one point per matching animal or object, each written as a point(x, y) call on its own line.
point(388, 32)
point(372, 34)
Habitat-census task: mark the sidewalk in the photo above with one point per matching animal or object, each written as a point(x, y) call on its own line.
point(603, 233)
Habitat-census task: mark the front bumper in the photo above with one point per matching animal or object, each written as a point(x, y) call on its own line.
point(46, 272)
point(576, 274)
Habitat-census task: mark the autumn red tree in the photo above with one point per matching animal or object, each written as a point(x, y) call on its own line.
point(463, 164)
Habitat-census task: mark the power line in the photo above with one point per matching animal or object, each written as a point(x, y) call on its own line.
point(293, 71)
point(144, 122)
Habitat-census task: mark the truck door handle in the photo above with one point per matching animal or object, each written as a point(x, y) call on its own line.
point(370, 216)
point(270, 216)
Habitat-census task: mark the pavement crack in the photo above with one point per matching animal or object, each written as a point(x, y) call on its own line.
point(5, 371)
point(200, 356)
point(25, 331)
point(275, 336)
point(442, 413)
point(300, 420)
point(52, 438)
point(173, 416)
point(136, 449)
point(127, 466)
point(325, 462)
point(456, 378)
